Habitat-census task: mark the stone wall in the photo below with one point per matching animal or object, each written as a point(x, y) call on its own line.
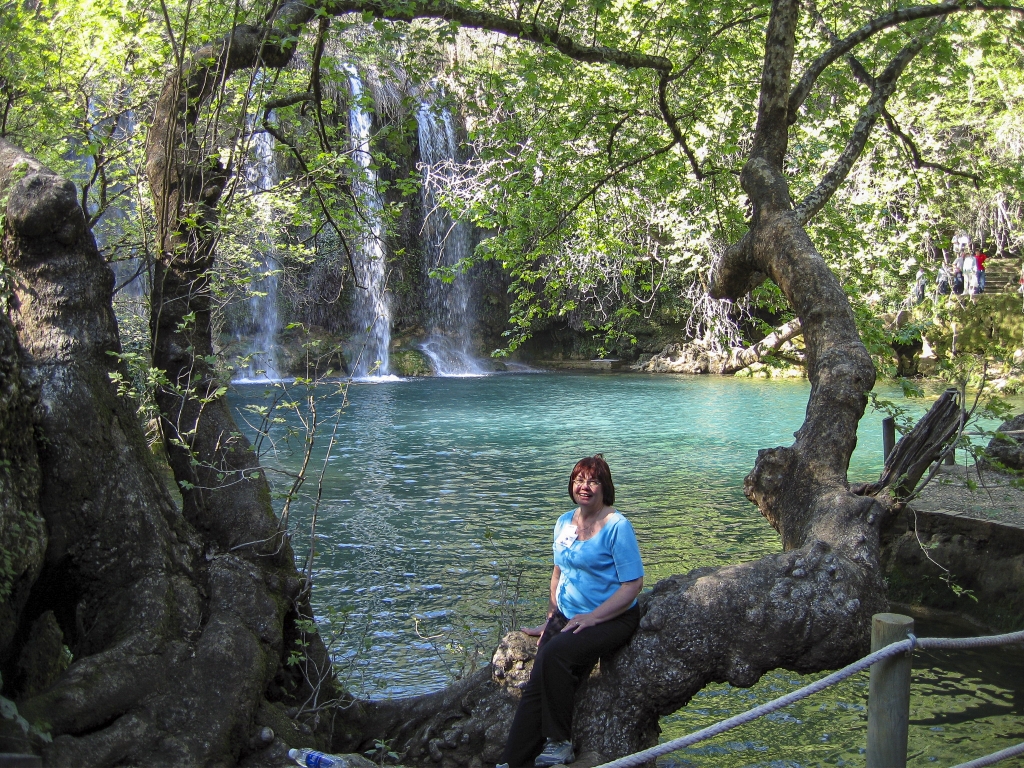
point(985, 562)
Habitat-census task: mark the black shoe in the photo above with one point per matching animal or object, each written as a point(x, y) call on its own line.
point(555, 753)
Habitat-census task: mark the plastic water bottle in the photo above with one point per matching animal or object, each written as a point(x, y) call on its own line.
point(313, 759)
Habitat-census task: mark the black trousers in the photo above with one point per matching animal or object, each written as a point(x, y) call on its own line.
point(563, 659)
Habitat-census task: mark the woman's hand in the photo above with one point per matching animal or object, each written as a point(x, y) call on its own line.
point(619, 602)
point(580, 622)
point(534, 631)
point(537, 631)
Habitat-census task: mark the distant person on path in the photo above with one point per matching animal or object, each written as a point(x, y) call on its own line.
point(958, 281)
point(592, 612)
point(980, 257)
point(942, 281)
point(970, 275)
point(920, 287)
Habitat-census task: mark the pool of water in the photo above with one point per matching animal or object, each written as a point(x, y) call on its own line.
point(433, 537)
point(964, 704)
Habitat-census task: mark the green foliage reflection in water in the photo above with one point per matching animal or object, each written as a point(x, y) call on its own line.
point(963, 705)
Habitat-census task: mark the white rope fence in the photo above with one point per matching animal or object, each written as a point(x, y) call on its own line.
point(995, 757)
point(903, 646)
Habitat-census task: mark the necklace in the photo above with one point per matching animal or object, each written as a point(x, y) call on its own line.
point(585, 531)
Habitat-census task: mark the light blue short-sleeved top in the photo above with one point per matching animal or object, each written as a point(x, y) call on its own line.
point(592, 570)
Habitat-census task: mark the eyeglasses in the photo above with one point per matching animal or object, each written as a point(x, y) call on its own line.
point(587, 481)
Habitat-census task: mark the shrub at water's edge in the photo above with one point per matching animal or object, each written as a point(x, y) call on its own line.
point(410, 362)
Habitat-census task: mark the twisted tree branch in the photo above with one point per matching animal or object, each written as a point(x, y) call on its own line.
point(842, 47)
point(867, 79)
point(886, 21)
point(672, 121)
point(884, 86)
point(915, 155)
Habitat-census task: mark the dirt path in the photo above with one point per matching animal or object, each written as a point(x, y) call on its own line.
point(959, 490)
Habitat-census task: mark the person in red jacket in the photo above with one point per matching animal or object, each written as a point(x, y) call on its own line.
point(979, 256)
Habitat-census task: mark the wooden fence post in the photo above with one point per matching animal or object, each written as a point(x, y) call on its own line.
point(889, 694)
point(888, 436)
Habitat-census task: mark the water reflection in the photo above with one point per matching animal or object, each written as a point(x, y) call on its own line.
point(964, 704)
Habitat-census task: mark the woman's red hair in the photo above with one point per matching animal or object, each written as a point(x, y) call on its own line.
point(597, 468)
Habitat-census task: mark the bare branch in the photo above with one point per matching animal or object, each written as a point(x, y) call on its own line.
point(915, 154)
point(741, 358)
point(672, 121)
point(614, 132)
point(701, 50)
point(279, 135)
point(142, 267)
point(286, 101)
point(314, 81)
point(601, 182)
point(927, 442)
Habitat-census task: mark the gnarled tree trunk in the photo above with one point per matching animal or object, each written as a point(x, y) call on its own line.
point(178, 645)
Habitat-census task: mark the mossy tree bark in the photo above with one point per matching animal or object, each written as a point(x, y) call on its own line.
point(179, 645)
point(23, 535)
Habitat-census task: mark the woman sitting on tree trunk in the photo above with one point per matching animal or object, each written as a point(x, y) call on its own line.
point(592, 612)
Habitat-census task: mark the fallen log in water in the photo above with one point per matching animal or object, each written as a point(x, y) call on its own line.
point(699, 356)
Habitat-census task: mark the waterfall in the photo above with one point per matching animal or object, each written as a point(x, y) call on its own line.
point(445, 244)
point(261, 175)
point(371, 313)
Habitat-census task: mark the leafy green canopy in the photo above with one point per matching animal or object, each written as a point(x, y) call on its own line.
point(606, 191)
point(595, 212)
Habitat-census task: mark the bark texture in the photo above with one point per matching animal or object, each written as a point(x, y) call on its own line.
point(225, 493)
point(179, 645)
point(924, 445)
point(22, 530)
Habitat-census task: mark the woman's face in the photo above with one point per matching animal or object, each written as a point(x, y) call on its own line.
point(586, 489)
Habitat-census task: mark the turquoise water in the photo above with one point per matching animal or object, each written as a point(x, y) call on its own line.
point(433, 538)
